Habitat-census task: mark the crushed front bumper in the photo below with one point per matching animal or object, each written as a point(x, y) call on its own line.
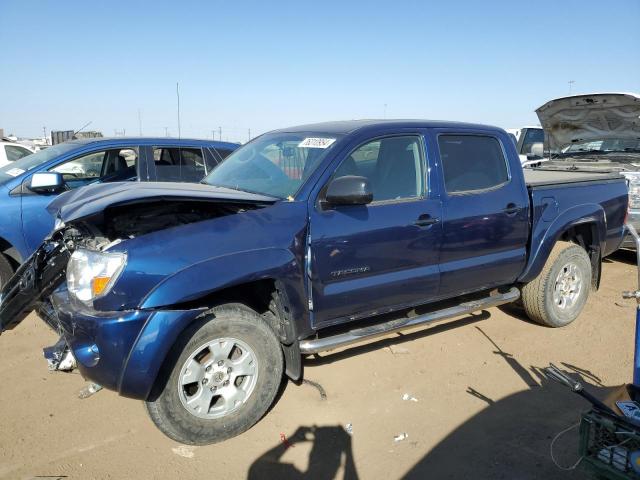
point(121, 350)
point(34, 280)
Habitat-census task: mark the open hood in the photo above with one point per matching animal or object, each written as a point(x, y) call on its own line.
point(92, 199)
point(585, 118)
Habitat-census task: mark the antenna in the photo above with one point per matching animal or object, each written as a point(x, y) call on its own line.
point(571, 82)
point(178, 95)
point(83, 127)
point(220, 132)
point(166, 131)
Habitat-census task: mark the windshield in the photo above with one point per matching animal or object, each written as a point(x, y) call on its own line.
point(609, 145)
point(34, 160)
point(274, 164)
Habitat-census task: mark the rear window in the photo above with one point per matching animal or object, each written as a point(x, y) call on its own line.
point(472, 162)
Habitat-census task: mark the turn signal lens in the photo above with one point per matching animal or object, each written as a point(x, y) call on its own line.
point(99, 284)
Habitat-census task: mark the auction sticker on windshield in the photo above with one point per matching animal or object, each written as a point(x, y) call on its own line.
point(14, 172)
point(314, 142)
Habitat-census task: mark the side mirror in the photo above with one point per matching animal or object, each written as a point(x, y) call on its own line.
point(48, 182)
point(349, 190)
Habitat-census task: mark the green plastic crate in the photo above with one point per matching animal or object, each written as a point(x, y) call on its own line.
point(606, 443)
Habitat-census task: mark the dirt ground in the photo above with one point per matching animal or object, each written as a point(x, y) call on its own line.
point(482, 409)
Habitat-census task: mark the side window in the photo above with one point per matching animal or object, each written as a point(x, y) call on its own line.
point(116, 165)
point(16, 153)
point(393, 166)
point(179, 164)
point(472, 162)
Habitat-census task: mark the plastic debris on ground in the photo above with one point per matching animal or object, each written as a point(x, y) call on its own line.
point(349, 428)
point(409, 398)
point(400, 437)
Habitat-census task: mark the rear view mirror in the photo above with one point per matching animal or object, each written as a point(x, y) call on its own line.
point(349, 190)
point(48, 182)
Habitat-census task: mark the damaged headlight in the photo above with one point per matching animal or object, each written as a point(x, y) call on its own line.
point(91, 274)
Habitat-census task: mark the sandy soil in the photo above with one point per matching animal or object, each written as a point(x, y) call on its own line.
point(482, 409)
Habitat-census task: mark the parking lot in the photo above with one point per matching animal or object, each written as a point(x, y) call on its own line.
point(481, 407)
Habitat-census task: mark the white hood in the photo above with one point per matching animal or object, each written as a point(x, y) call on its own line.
point(585, 118)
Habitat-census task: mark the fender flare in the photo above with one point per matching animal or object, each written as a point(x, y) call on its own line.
point(590, 213)
point(199, 280)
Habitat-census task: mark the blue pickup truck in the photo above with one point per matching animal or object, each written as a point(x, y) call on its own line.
point(199, 299)
point(29, 184)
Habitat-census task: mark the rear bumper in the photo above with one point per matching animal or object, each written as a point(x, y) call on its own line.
point(123, 350)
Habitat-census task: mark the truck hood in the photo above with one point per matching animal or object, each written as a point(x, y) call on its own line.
point(93, 199)
point(584, 118)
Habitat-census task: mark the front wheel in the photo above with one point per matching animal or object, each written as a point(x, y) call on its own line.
point(226, 375)
point(558, 294)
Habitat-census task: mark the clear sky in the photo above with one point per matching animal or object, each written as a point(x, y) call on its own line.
point(261, 65)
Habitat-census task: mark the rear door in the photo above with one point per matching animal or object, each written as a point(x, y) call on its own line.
point(485, 213)
point(368, 259)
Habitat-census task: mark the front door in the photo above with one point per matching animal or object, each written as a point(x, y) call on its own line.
point(369, 259)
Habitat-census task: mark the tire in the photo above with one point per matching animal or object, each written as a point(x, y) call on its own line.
point(558, 294)
point(6, 271)
point(180, 409)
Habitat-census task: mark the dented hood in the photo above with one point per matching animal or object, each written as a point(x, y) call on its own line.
point(585, 118)
point(93, 199)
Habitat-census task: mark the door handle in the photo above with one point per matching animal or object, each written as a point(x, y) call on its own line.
point(426, 220)
point(511, 209)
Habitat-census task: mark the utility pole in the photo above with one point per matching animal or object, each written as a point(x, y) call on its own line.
point(44, 133)
point(249, 139)
point(571, 82)
point(220, 132)
point(213, 134)
point(166, 131)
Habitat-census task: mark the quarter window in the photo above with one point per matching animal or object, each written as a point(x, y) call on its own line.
point(393, 166)
point(472, 162)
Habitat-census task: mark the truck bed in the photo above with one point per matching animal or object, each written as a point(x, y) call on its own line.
point(540, 177)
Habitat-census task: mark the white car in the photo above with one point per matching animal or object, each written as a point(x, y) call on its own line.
point(10, 152)
point(529, 143)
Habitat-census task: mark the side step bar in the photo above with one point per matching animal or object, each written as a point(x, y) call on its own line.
point(367, 333)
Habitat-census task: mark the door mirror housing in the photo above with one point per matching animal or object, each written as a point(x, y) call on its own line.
point(349, 190)
point(46, 182)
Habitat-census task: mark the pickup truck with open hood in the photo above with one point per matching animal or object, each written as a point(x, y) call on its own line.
point(200, 299)
point(597, 132)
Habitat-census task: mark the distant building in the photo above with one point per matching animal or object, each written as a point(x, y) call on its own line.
point(59, 136)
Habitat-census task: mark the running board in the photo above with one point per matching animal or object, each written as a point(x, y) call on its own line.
point(367, 333)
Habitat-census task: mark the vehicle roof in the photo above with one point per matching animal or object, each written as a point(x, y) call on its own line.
point(150, 140)
point(349, 126)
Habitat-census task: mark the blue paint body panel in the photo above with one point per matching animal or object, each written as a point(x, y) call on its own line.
point(24, 219)
point(334, 265)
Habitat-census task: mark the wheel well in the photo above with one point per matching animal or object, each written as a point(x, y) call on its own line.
point(10, 253)
point(586, 235)
point(268, 298)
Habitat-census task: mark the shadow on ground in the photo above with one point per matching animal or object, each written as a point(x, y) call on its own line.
point(511, 437)
point(331, 449)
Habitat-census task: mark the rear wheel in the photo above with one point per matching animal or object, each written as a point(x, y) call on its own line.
point(558, 295)
point(6, 271)
point(224, 378)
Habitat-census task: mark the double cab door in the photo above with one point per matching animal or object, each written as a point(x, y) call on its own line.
point(439, 225)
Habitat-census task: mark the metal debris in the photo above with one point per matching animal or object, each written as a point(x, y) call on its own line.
point(349, 428)
point(409, 398)
point(323, 393)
